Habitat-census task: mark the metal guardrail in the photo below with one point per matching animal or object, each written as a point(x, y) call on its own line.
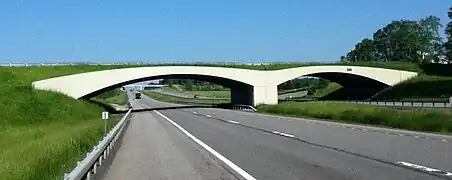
point(88, 166)
point(244, 107)
point(411, 104)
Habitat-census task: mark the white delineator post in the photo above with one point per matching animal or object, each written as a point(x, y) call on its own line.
point(105, 118)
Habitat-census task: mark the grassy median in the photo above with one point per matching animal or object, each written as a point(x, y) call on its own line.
point(178, 100)
point(43, 134)
point(429, 120)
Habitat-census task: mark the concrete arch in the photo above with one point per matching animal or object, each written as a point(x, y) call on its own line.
point(241, 81)
point(388, 77)
point(251, 87)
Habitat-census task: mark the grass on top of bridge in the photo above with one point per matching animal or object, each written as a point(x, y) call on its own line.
point(80, 68)
point(429, 120)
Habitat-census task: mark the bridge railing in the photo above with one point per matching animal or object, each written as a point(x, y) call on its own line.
point(86, 168)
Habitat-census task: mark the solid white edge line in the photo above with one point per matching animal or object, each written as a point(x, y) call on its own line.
point(208, 148)
point(235, 122)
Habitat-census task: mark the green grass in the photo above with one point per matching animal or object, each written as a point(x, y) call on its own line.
point(429, 120)
point(422, 86)
point(115, 96)
point(42, 133)
point(48, 150)
point(217, 94)
point(331, 87)
point(178, 100)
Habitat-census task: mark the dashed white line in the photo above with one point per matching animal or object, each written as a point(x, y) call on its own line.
point(194, 112)
point(283, 134)
point(443, 140)
point(235, 122)
point(208, 148)
point(288, 135)
point(209, 116)
point(401, 134)
point(424, 168)
point(416, 136)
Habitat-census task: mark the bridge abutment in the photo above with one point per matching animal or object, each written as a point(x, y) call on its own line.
point(245, 94)
point(265, 95)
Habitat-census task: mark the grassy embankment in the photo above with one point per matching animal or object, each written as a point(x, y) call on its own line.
point(178, 100)
point(430, 120)
point(216, 94)
point(115, 96)
point(43, 134)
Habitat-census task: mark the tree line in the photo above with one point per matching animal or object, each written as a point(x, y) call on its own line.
point(406, 40)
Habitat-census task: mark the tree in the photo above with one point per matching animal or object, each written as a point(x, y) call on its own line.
point(448, 44)
point(430, 31)
point(401, 40)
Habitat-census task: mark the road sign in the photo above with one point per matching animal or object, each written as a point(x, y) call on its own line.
point(104, 115)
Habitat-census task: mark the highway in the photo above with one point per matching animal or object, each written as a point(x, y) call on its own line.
point(203, 143)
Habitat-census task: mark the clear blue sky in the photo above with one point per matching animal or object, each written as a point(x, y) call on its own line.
point(196, 30)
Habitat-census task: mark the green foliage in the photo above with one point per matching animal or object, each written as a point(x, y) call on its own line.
point(448, 44)
point(407, 40)
point(430, 120)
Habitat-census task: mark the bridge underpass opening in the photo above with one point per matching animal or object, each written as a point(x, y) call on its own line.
point(330, 86)
point(238, 92)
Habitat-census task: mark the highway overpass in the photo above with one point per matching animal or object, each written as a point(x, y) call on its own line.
point(250, 87)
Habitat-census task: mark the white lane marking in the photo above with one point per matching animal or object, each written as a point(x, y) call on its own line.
point(416, 136)
point(363, 129)
point(209, 116)
point(443, 140)
point(195, 113)
point(401, 135)
point(283, 134)
point(235, 122)
point(288, 135)
point(424, 168)
point(208, 148)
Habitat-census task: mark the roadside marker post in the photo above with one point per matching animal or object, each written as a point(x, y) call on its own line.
point(105, 118)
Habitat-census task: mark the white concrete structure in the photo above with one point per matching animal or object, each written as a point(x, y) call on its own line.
point(247, 86)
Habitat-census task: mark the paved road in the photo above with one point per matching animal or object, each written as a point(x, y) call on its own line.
point(272, 147)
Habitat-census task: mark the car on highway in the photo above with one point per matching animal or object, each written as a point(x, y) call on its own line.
point(195, 97)
point(137, 95)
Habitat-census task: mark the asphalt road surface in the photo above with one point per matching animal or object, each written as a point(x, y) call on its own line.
point(202, 143)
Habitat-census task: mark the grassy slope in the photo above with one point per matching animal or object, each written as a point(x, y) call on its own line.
point(327, 90)
point(40, 131)
point(431, 120)
point(217, 94)
point(115, 96)
point(178, 100)
point(422, 86)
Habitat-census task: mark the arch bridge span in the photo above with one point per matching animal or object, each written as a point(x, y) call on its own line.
point(251, 87)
